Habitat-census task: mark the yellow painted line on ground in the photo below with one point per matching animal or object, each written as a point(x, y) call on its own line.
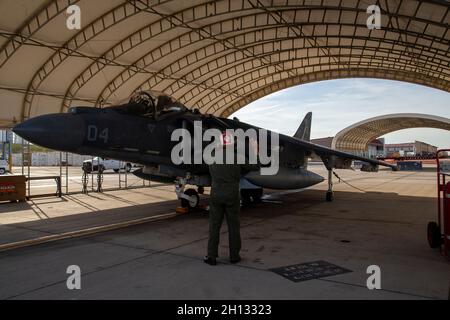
point(85, 232)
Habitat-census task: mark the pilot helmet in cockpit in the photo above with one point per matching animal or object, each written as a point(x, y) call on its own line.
point(145, 100)
point(152, 104)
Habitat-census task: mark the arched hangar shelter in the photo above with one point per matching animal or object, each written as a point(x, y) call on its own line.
point(217, 56)
point(357, 137)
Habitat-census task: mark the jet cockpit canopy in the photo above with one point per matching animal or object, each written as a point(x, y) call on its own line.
point(151, 104)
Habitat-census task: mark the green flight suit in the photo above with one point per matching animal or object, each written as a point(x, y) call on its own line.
point(224, 200)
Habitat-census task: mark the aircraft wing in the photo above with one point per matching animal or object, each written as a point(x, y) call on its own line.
point(337, 159)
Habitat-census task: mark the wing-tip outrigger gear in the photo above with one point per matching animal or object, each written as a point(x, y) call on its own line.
point(329, 195)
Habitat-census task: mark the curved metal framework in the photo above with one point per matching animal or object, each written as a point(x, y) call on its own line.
point(358, 136)
point(218, 56)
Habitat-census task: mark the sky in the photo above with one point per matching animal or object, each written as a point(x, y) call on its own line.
point(337, 104)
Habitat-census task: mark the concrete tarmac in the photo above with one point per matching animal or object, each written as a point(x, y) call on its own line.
point(383, 223)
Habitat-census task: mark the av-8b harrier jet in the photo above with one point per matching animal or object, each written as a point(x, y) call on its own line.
point(141, 131)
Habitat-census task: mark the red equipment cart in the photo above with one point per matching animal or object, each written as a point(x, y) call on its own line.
point(438, 233)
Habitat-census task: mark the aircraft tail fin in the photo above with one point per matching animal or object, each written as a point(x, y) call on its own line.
point(304, 131)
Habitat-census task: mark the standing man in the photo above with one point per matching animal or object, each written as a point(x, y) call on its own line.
point(225, 201)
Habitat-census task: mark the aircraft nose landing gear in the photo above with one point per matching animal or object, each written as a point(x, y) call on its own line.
point(192, 202)
point(189, 199)
point(329, 196)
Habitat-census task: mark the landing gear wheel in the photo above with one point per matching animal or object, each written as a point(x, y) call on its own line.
point(329, 197)
point(128, 167)
point(200, 190)
point(434, 235)
point(257, 195)
point(193, 203)
point(246, 200)
point(116, 170)
point(251, 196)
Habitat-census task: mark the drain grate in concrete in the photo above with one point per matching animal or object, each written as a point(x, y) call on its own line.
point(309, 271)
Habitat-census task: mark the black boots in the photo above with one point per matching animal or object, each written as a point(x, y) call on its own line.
point(210, 260)
point(235, 260)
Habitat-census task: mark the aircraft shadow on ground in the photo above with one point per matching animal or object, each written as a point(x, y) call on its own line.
point(284, 204)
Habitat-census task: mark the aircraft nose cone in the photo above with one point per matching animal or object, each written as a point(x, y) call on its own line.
point(63, 132)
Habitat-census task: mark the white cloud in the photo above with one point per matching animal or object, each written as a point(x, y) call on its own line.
point(337, 104)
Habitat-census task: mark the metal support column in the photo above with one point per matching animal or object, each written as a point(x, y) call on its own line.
point(92, 174)
point(9, 141)
point(64, 164)
point(123, 181)
point(99, 178)
point(85, 182)
point(26, 163)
